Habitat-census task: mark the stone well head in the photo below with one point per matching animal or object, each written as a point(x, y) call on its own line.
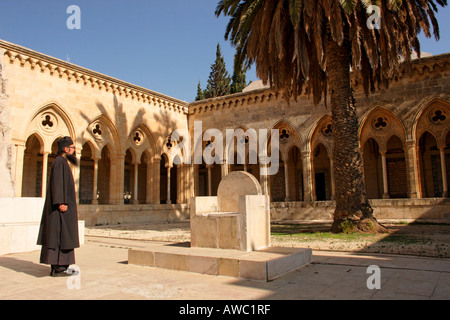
point(233, 186)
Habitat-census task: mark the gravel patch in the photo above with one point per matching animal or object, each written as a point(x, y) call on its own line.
point(431, 240)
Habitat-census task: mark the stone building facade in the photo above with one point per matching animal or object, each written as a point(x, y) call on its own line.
point(123, 134)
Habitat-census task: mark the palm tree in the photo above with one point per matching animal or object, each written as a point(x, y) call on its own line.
point(310, 46)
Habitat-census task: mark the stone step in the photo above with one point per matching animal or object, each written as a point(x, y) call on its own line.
point(260, 265)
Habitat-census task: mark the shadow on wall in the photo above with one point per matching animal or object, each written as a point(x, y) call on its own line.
point(159, 127)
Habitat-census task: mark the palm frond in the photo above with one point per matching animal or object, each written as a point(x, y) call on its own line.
point(286, 39)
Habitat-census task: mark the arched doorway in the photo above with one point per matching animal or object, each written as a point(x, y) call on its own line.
point(86, 193)
point(129, 177)
point(431, 166)
point(168, 184)
point(277, 182)
point(142, 178)
point(373, 171)
point(396, 168)
point(322, 173)
point(295, 172)
point(32, 167)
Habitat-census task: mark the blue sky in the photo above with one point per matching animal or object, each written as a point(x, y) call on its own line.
point(165, 46)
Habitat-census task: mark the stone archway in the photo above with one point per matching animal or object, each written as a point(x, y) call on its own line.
point(432, 142)
point(373, 171)
point(284, 185)
point(87, 194)
point(295, 171)
point(430, 166)
point(322, 174)
point(396, 168)
point(33, 167)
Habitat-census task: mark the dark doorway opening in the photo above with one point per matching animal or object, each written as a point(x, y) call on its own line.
point(321, 194)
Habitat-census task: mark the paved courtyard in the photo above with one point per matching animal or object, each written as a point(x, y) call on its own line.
point(106, 275)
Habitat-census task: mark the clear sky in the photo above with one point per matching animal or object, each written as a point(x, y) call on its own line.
point(165, 46)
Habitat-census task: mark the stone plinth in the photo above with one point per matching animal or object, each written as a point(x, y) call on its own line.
point(238, 218)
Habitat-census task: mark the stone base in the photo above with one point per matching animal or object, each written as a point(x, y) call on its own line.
point(22, 237)
point(20, 219)
point(260, 265)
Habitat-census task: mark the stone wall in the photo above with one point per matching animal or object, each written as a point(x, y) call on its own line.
point(132, 214)
point(430, 209)
point(6, 164)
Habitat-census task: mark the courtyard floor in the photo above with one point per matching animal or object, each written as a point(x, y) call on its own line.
point(106, 275)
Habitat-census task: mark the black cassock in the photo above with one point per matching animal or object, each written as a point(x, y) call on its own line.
point(58, 234)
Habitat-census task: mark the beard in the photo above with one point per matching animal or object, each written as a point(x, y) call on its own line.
point(72, 159)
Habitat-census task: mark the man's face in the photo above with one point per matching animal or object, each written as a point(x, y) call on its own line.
point(70, 150)
point(71, 155)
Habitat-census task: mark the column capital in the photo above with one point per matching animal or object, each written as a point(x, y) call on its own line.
point(410, 143)
point(305, 153)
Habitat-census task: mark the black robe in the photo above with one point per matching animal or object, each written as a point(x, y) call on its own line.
point(59, 231)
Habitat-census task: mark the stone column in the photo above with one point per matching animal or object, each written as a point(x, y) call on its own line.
point(116, 189)
point(44, 173)
point(149, 193)
point(263, 177)
point(444, 173)
point(307, 174)
point(190, 177)
point(286, 180)
point(168, 184)
point(333, 184)
point(183, 183)
point(208, 166)
point(196, 180)
point(95, 183)
point(224, 169)
point(179, 183)
point(135, 187)
point(157, 177)
point(412, 168)
point(385, 176)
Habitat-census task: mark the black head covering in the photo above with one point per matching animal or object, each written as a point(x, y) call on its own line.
point(64, 143)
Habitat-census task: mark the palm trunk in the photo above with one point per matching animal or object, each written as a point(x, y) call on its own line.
point(352, 206)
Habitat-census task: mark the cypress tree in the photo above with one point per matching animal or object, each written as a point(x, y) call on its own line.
point(219, 79)
point(200, 93)
point(239, 78)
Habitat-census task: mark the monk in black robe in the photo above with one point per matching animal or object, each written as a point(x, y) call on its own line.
point(58, 234)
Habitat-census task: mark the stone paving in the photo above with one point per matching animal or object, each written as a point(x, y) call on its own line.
point(106, 275)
